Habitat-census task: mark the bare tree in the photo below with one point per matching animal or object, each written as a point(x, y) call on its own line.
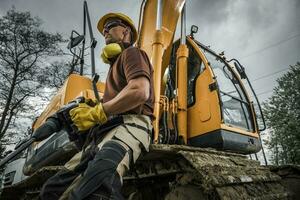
point(24, 47)
point(57, 72)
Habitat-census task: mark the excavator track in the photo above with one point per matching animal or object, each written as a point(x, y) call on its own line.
point(29, 188)
point(209, 174)
point(290, 175)
point(181, 172)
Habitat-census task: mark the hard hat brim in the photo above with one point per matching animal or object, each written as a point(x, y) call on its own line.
point(101, 23)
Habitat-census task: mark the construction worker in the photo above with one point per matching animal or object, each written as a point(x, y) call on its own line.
point(96, 172)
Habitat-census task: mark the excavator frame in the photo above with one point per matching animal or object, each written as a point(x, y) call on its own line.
point(196, 152)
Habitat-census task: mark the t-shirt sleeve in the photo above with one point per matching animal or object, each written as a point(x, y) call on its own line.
point(136, 64)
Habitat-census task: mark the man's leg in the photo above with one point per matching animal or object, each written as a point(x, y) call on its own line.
point(103, 177)
point(60, 185)
point(55, 186)
point(102, 172)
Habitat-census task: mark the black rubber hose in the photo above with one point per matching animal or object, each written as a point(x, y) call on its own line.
point(166, 127)
point(174, 119)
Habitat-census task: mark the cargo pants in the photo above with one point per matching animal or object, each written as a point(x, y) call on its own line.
point(98, 175)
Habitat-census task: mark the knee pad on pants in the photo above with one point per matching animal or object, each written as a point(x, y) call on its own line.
point(101, 171)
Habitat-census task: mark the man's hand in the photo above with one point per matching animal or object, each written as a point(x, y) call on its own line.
point(85, 116)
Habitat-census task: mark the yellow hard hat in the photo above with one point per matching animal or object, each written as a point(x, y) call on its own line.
point(120, 16)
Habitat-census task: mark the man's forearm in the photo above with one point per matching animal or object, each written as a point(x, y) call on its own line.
point(124, 101)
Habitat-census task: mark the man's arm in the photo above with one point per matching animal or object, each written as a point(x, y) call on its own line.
point(134, 94)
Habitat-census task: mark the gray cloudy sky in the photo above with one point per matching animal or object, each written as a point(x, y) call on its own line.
point(263, 34)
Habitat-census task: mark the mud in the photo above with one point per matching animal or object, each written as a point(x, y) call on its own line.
point(183, 172)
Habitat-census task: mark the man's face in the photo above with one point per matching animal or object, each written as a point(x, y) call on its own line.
point(113, 31)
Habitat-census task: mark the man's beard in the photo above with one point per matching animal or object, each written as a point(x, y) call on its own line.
point(124, 45)
point(111, 40)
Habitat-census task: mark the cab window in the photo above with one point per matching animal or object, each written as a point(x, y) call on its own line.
point(235, 106)
point(195, 67)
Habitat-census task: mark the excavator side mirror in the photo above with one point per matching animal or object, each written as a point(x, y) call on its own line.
point(75, 40)
point(240, 69)
point(194, 29)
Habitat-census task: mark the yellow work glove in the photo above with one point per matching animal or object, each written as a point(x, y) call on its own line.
point(85, 116)
point(110, 51)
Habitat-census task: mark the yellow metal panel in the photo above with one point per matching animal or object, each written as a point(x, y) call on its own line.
point(204, 109)
point(203, 117)
point(171, 11)
point(101, 87)
point(74, 86)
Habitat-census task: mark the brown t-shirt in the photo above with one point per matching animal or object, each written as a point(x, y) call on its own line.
point(130, 64)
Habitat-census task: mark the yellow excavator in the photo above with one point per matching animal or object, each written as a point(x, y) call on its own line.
point(207, 121)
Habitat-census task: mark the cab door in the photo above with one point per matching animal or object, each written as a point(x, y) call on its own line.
point(219, 111)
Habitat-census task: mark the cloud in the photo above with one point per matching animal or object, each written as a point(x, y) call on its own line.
point(237, 26)
point(207, 11)
point(263, 34)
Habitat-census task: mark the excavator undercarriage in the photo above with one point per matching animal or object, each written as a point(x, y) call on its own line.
point(170, 172)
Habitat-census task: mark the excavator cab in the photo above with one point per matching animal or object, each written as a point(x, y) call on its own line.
point(203, 102)
point(220, 113)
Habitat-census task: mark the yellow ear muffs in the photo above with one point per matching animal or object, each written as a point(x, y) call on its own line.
point(110, 51)
point(104, 59)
